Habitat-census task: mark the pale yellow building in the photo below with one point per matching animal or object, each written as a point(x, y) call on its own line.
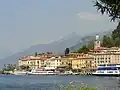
point(32, 61)
point(53, 62)
point(106, 56)
point(35, 62)
point(82, 61)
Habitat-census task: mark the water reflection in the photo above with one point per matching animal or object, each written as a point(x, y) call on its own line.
point(56, 82)
point(118, 82)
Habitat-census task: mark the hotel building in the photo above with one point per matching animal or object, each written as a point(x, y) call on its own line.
point(34, 61)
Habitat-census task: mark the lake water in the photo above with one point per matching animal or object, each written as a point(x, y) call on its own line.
point(9, 82)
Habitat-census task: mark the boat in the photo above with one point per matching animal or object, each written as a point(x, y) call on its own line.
point(66, 73)
point(107, 70)
point(75, 74)
point(19, 73)
point(43, 71)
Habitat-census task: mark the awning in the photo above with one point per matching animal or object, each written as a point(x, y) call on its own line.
point(62, 66)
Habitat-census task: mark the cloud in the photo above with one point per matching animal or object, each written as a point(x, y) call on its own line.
point(89, 16)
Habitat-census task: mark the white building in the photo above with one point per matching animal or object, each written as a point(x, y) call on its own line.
point(53, 62)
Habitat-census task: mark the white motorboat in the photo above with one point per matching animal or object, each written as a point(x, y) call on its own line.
point(20, 73)
point(43, 71)
point(66, 73)
point(107, 70)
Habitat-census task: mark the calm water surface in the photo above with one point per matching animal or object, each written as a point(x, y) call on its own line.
point(8, 82)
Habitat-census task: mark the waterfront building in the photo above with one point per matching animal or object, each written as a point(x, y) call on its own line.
point(31, 61)
point(106, 56)
point(99, 55)
point(53, 62)
point(82, 61)
point(65, 63)
point(103, 55)
point(34, 62)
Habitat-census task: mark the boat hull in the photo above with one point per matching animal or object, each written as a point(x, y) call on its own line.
point(19, 73)
point(40, 74)
point(116, 75)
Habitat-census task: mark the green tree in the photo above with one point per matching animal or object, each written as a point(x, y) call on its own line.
point(116, 32)
point(49, 52)
point(36, 54)
point(67, 51)
point(74, 51)
point(116, 35)
point(9, 67)
point(83, 49)
point(110, 7)
point(90, 45)
point(117, 42)
point(107, 41)
point(41, 53)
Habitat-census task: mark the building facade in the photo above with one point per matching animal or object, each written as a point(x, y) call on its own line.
point(82, 61)
point(106, 56)
point(34, 62)
point(53, 62)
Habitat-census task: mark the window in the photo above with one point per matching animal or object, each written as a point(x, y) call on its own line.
point(38, 62)
point(109, 71)
point(101, 71)
point(90, 61)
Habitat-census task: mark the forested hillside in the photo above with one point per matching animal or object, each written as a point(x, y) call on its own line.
point(113, 39)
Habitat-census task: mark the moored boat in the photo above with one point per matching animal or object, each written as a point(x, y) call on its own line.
point(43, 71)
point(66, 73)
point(107, 70)
point(20, 73)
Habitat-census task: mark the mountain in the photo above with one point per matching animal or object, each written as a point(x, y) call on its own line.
point(72, 41)
point(56, 47)
point(89, 38)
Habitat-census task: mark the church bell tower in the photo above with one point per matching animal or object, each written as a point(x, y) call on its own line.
point(97, 42)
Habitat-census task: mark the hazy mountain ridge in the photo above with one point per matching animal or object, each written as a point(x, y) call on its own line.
point(89, 38)
point(72, 41)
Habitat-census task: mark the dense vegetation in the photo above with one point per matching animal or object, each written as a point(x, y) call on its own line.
point(9, 67)
point(110, 7)
point(85, 48)
point(113, 40)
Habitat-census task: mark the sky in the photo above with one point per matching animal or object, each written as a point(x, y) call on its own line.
point(24, 23)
